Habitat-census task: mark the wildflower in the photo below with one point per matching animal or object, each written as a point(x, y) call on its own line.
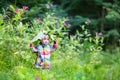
point(25, 7)
point(69, 25)
point(65, 24)
point(38, 20)
point(17, 10)
point(100, 34)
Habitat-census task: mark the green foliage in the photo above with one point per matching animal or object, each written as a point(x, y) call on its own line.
point(1, 19)
point(91, 43)
point(78, 56)
point(113, 15)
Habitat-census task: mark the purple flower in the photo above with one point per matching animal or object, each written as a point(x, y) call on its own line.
point(65, 24)
point(25, 7)
point(69, 25)
point(100, 34)
point(17, 10)
point(38, 19)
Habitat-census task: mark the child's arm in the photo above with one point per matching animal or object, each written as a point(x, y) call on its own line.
point(33, 48)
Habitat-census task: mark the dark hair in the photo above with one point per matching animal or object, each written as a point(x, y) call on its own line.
point(40, 42)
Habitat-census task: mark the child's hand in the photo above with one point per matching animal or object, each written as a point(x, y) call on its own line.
point(55, 41)
point(31, 45)
point(55, 44)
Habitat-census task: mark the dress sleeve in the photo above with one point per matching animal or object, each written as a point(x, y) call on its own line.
point(34, 49)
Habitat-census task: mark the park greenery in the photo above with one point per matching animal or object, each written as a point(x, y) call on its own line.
point(87, 31)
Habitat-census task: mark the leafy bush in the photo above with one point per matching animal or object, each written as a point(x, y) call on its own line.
point(78, 56)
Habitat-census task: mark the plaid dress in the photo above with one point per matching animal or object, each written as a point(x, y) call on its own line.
point(43, 56)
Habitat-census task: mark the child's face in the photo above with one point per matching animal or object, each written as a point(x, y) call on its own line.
point(45, 40)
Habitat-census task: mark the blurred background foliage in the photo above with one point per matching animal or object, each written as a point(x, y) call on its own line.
point(87, 31)
point(103, 14)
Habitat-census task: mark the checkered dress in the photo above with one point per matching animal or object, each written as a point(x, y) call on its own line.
point(43, 56)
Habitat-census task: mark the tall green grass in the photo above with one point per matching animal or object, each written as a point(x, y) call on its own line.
point(66, 65)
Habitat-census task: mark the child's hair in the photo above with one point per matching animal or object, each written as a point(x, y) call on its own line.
point(47, 35)
point(40, 42)
point(43, 38)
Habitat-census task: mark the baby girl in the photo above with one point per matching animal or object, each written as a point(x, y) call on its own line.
point(43, 51)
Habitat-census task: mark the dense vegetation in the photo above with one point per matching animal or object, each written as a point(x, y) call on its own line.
point(87, 31)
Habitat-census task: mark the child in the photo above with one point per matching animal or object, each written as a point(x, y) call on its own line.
point(43, 52)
